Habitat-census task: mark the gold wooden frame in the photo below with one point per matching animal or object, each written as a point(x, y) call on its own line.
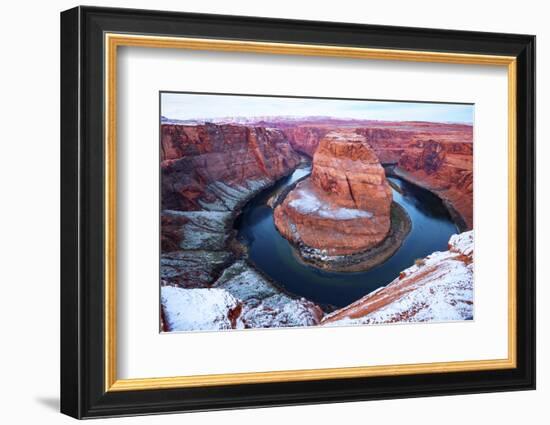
point(113, 41)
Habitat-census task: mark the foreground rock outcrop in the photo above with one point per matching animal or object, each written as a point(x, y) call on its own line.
point(198, 309)
point(344, 207)
point(265, 305)
point(241, 298)
point(437, 288)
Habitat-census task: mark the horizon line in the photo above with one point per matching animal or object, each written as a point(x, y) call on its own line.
point(305, 117)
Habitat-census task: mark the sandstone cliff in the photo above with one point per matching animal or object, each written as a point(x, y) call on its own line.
point(445, 169)
point(208, 171)
point(305, 139)
point(437, 288)
point(344, 207)
point(202, 165)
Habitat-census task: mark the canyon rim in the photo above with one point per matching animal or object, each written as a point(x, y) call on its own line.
point(282, 212)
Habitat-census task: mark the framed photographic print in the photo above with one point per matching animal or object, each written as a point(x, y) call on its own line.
point(263, 212)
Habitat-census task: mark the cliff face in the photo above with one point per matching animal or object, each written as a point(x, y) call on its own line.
point(204, 164)
point(344, 207)
point(447, 170)
point(305, 139)
point(208, 171)
point(437, 288)
point(390, 140)
point(348, 171)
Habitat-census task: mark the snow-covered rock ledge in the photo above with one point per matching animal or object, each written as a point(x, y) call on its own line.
point(240, 298)
point(202, 309)
point(196, 245)
point(437, 288)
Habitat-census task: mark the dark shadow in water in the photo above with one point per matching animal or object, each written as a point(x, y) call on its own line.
point(432, 227)
point(423, 200)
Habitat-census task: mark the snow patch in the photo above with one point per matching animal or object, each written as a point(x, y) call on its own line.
point(191, 269)
point(198, 309)
point(307, 202)
point(204, 230)
point(264, 305)
point(463, 243)
point(291, 313)
point(228, 198)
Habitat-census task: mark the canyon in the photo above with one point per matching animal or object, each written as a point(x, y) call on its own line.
point(210, 171)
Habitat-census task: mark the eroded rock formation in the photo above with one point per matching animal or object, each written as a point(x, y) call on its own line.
point(204, 165)
point(445, 168)
point(199, 309)
point(344, 207)
point(208, 172)
point(240, 298)
point(264, 305)
point(305, 139)
point(437, 288)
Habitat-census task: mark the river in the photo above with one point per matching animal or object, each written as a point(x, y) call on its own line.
point(432, 227)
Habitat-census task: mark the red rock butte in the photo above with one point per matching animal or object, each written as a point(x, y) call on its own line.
point(344, 206)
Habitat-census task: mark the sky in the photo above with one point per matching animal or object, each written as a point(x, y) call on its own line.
point(184, 106)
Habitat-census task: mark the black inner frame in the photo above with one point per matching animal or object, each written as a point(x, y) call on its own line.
point(82, 208)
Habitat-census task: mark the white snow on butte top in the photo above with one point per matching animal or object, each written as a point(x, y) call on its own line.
point(307, 202)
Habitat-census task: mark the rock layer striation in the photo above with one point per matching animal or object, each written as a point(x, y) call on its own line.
point(445, 169)
point(203, 165)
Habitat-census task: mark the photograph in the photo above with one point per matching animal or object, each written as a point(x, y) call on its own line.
point(285, 210)
point(279, 211)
